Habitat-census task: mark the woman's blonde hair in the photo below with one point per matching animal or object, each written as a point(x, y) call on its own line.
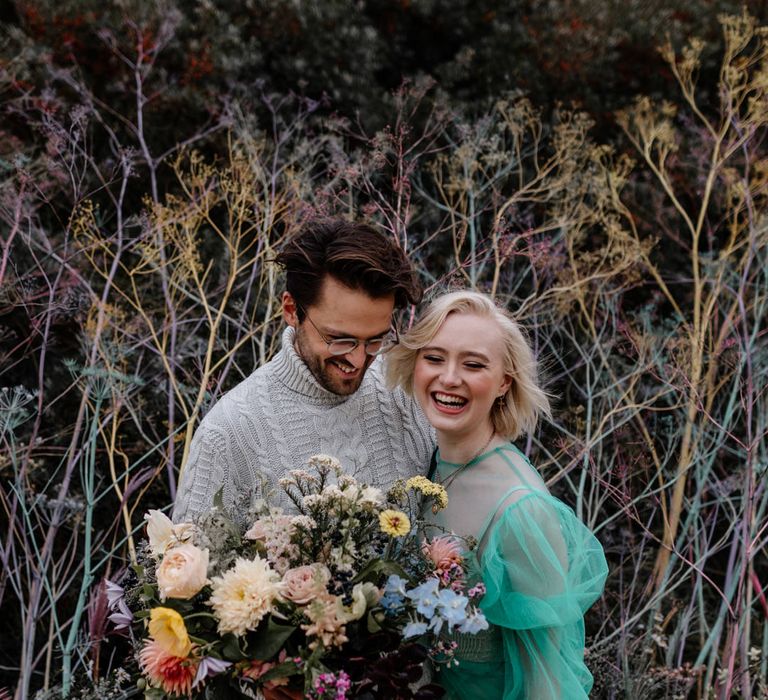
point(518, 411)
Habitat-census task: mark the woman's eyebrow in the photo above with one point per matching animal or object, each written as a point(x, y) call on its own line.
point(465, 353)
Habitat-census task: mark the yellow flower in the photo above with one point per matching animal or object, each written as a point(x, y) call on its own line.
point(167, 628)
point(429, 489)
point(394, 522)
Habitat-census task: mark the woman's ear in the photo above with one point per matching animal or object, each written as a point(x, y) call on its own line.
point(290, 310)
point(505, 384)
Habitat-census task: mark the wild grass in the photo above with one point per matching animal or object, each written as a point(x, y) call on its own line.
point(137, 287)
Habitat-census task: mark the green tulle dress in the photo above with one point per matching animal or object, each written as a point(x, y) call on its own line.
point(542, 569)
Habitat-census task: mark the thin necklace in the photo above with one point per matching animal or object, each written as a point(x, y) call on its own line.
point(445, 483)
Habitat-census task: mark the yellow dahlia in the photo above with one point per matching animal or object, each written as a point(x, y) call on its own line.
point(395, 523)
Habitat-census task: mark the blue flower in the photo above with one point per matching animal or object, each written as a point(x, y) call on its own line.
point(392, 603)
point(414, 629)
point(395, 585)
point(474, 623)
point(436, 624)
point(452, 606)
point(426, 597)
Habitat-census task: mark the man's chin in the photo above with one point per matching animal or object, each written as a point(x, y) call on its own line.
point(342, 387)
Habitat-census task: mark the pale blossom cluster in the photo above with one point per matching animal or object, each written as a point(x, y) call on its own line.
point(324, 464)
point(324, 624)
point(275, 532)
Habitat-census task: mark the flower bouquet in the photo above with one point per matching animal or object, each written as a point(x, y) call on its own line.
point(341, 599)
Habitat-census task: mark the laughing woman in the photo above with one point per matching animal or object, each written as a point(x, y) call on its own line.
point(474, 374)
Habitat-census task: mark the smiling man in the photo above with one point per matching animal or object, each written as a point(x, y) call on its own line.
point(323, 392)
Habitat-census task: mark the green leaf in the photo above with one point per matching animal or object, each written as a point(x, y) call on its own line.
point(380, 566)
point(372, 624)
point(283, 670)
point(269, 639)
point(218, 499)
point(230, 648)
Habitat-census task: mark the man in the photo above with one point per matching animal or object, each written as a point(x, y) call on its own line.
point(324, 391)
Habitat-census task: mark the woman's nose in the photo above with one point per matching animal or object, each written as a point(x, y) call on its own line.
point(450, 376)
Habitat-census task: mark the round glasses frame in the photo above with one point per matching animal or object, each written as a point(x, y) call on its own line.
point(372, 347)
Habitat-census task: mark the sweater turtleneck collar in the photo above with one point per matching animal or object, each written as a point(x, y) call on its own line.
point(292, 371)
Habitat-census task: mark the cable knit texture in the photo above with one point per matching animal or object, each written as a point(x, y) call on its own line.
point(280, 416)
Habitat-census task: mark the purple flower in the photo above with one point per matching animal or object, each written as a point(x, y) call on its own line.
point(209, 666)
point(115, 594)
point(336, 685)
point(122, 617)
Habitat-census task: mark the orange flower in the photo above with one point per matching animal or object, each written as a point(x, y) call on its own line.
point(173, 674)
point(443, 551)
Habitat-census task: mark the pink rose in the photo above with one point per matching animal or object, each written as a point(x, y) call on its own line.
point(183, 572)
point(304, 583)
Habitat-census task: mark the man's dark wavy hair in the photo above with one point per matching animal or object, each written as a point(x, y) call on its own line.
point(355, 254)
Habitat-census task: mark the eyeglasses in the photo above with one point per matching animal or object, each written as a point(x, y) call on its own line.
point(373, 347)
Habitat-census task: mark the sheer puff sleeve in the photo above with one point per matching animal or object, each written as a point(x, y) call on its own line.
point(542, 569)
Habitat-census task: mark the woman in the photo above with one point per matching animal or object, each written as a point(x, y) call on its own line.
point(471, 369)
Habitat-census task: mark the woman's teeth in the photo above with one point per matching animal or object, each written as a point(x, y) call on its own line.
point(449, 400)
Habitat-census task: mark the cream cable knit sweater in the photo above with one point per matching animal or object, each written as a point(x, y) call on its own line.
point(280, 416)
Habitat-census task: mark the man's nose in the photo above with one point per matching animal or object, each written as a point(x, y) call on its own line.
point(357, 356)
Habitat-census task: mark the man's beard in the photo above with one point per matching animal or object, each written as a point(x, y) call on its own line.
point(326, 376)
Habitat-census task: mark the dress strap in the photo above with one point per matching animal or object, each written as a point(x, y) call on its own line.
point(432, 465)
point(492, 514)
point(524, 486)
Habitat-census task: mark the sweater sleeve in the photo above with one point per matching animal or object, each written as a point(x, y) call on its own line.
point(543, 569)
point(206, 471)
point(419, 438)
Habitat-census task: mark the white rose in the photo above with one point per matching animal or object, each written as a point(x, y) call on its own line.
point(163, 533)
point(363, 596)
point(183, 572)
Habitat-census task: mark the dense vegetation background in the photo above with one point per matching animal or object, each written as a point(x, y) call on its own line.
point(155, 155)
